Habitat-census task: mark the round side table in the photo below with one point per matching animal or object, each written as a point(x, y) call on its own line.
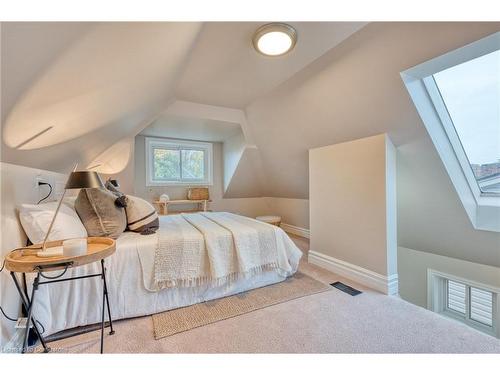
point(25, 260)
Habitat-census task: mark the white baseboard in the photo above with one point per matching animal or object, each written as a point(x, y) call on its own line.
point(382, 283)
point(298, 231)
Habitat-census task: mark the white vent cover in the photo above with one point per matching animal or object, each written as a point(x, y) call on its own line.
point(473, 303)
point(481, 306)
point(456, 297)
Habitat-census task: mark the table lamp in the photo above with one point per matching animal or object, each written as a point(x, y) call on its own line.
point(76, 180)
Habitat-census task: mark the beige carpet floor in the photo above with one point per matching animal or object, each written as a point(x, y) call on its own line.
point(328, 322)
point(172, 322)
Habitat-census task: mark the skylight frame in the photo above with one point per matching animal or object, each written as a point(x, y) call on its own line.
point(451, 132)
point(482, 208)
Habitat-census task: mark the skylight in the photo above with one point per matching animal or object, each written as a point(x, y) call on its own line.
point(457, 95)
point(471, 94)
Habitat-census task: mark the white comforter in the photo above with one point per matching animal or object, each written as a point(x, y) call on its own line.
point(78, 303)
point(213, 248)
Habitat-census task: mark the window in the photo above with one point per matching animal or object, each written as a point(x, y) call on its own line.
point(457, 95)
point(471, 94)
point(471, 303)
point(170, 162)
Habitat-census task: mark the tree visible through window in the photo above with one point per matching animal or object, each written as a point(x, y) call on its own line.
point(471, 93)
point(192, 164)
point(166, 164)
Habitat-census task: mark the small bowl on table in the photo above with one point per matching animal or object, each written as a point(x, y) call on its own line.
point(75, 247)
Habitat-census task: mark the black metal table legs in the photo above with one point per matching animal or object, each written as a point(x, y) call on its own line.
point(105, 298)
point(28, 305)
point(29, 302)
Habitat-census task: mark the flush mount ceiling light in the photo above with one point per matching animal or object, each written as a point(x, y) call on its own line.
point(275, 39)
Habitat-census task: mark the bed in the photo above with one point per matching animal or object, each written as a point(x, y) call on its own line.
point(132, 292)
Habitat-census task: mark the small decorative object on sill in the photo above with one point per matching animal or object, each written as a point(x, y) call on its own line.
point(164, 198)
point(198, 194)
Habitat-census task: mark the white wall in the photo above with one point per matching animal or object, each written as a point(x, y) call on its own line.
point(431, 217)
point(117, 162)
point(352, 203)
point(245, 181)
point(413, 266)
point(292, 211)
point(18, 186)
point(232, 148)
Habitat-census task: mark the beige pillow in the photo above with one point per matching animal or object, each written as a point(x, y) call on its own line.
point(99, 213)
point(141, 216)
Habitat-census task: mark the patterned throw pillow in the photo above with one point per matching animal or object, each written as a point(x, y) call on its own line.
point(141, 216)
point(121, 199)
point(100, 215)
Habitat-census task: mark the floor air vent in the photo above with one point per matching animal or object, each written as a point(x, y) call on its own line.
point(346, 288)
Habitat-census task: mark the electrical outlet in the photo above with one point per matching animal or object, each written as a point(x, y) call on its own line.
point(38, 178)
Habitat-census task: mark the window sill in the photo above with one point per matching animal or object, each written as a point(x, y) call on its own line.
point(178, 184)
point(487, 218)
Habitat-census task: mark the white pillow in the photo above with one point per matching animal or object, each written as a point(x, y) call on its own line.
point(70, 201)
point(36, 219)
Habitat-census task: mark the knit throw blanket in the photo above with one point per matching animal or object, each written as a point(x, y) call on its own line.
point(213, 248)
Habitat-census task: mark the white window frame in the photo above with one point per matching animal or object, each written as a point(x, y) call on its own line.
point(152, 143)
point(483, 209)
point(437, 300)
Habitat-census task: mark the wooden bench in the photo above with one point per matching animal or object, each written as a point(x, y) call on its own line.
point(202, 205)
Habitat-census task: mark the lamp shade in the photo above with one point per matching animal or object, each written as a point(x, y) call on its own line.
point(84, 180)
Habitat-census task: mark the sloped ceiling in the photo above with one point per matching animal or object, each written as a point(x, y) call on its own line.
point(191, 128)
point(352, 91)
point(72, 90)
point(94, 85)
point(82, 87)
point(244, 182)
point(225, 69)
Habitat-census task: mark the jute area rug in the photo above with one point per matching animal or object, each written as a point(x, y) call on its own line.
point(183, 319)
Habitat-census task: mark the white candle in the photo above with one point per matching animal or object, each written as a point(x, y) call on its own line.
point(75, 247)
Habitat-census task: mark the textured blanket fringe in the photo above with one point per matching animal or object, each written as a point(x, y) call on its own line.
point(215, 282)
